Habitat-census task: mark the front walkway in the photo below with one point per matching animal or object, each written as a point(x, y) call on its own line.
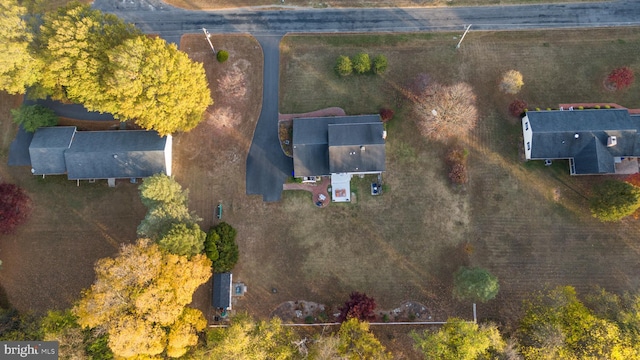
point(316, 189)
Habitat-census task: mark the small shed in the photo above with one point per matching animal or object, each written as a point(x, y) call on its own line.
point(222, 290)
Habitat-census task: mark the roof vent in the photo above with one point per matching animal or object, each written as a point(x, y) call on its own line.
point(362, 148)
point(577, 136)
point(612, 141)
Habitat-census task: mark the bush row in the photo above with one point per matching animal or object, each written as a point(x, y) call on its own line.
point(361, 64)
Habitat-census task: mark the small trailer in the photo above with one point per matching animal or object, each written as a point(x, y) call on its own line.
point(219, 211)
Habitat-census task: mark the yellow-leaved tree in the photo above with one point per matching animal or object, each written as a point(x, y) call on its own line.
point(96, 59)
point(157, 85)
point(17, 64)
point(139, 298)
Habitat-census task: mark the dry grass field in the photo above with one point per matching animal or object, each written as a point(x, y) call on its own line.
point(49, 259)
point(221, 4)
point(526, 223)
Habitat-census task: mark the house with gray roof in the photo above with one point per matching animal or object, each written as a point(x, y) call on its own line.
point(92, 155)
point(596, 142)
point(340, 147)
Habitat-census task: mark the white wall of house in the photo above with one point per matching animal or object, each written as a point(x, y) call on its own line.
point(527, 133)
point(168, 147)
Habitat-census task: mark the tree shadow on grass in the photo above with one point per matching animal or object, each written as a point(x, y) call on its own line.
point(4, 300)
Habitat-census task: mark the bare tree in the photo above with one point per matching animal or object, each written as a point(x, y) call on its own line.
point(444, 111)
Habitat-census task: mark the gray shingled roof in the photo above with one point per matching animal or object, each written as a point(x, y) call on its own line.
point(115, 154)
point(221, 295)
point(554, 137)
point(356, 148)
point(47, 149)
point(311, 143)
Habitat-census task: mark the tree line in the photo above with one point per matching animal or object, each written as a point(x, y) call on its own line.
point(556, 324)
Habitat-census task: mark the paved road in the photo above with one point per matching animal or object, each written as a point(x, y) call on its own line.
point(267, 167)
point(170, 22)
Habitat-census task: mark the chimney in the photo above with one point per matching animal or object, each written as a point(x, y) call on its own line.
point(362, 148)
point(612, 141)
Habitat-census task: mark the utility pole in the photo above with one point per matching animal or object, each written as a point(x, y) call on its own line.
point(463, 35)
point(206, 33)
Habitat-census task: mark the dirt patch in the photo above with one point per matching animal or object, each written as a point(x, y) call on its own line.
point(84, 125)
point(311, 312)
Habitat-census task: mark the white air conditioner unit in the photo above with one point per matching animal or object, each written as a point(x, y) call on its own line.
point(612, 141)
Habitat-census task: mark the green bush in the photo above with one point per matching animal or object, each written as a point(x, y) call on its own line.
point(474, 284)
point(361, 63)
point(222, 56)
point(380, 64)
point(597, 106)
point(344, 67)
point(323, 317)
point(220, 246)
point(613, 200)
point(309, 319)
point(31, 117)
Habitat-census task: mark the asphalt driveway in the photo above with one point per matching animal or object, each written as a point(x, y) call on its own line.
point(267, 166)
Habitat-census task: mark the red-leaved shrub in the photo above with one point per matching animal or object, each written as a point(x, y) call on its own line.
point(620, 78)
point(457, 161)
point(15, 207)
point(516, 108)
point(359, 306)
point(386, 114)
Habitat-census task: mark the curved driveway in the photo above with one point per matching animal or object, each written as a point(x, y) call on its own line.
point(267, 166)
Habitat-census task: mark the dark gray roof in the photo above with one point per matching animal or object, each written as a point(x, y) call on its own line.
point(311, 140)
point(115, 154)
point(221, 290)
point(356, 148)
point(48, 147)
point(554, 137)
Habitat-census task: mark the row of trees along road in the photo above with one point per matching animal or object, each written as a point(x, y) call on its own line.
point(82, 55)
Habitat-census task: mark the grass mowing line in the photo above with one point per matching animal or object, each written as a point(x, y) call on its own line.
point(397, 258)
point(102, 229)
